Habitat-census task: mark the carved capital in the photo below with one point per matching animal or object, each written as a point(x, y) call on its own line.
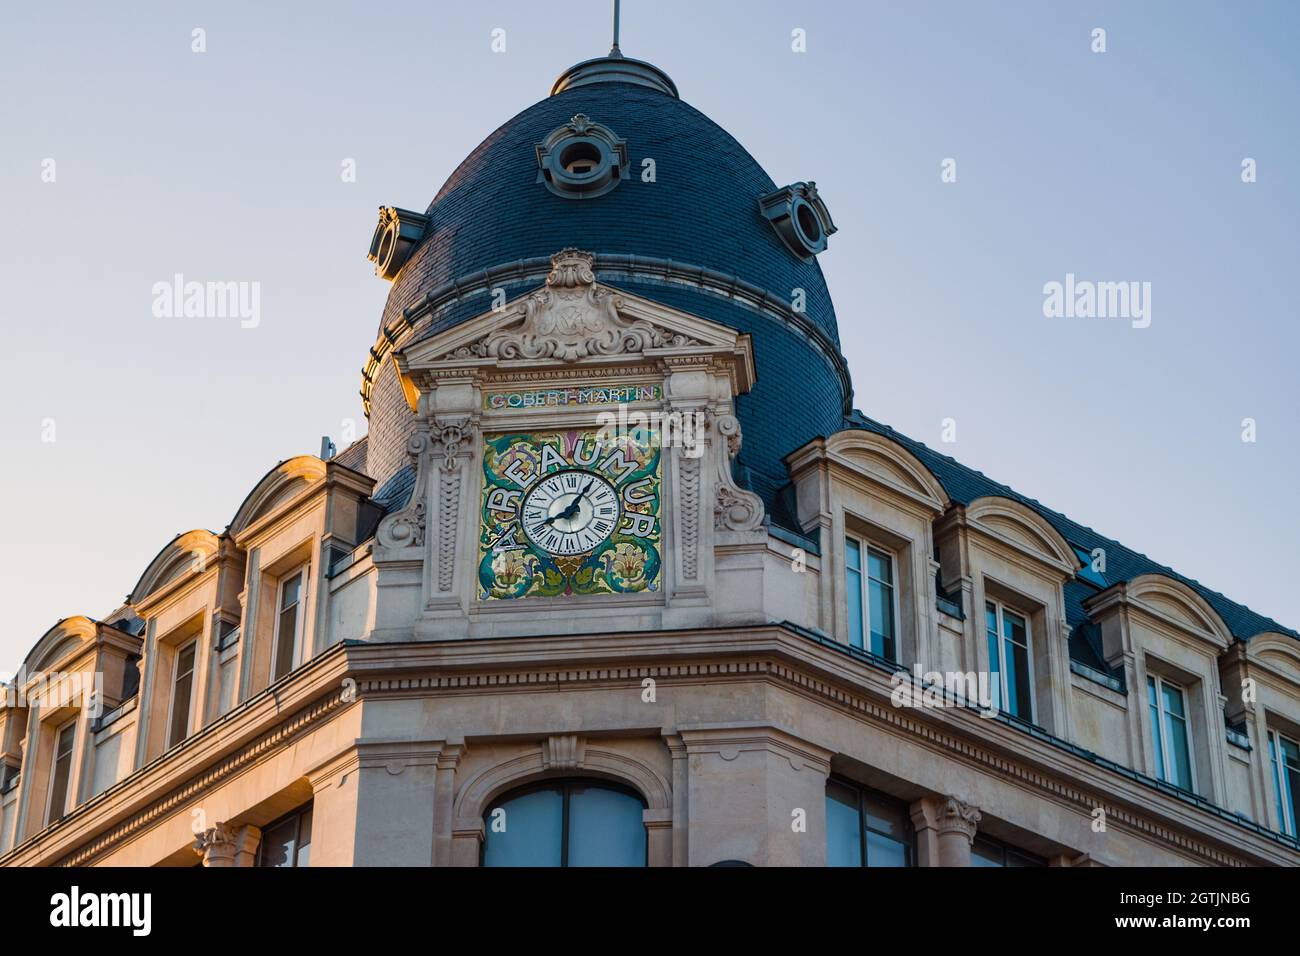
point(956, 816)
point(223, 845)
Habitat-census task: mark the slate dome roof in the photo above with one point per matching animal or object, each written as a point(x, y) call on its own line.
point(693, 239)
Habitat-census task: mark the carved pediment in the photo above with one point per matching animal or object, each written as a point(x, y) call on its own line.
point(570, 319)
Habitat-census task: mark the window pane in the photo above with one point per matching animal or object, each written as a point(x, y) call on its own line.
point(986, 853)
point(1173, 698)
point(304, 838)
point(995, 670)
point(1291, 787)
point(180, 726)
point(606, 828)
point(880, 566)
point(1017, 663)
point(528, 832)
point(853, 554)
point(843, 826)
point(62, 769)
point(1157, 744)
point(289, 593)
point(1279, 783)
point(885, 851)
point(1179, 756)
point(885, 817)
point(853, 585)
point(1014, 627)
point(285, 634)
point(882, 620)
point(278, 843)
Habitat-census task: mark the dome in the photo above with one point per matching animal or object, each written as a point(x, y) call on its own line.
point(683, 227)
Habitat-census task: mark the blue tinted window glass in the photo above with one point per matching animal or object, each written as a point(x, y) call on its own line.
point(1017, 661)
point(525, 830)
point(995, 671)
point(606, 828)
point(853, 585)
point(882, 620)
point(853, 554)
point(884, 851)
point(843, 826)
point(1179, 754)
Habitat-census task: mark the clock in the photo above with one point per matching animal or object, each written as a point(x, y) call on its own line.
point(570, 512)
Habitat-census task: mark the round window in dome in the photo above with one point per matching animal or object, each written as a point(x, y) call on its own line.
point(808, 223)
point(581, 160)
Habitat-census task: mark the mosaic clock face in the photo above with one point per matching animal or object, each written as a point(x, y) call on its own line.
point(574, 512)
point(570, 512)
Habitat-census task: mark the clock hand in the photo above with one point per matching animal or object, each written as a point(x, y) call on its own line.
point(568, 512)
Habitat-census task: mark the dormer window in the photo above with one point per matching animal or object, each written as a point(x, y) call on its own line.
point(288, 623)
point(1284, 754)
point(61, 771)
point(1011, 679)
point(800, 217)
point(582, 160)
point(1169, 737)
point(178, 724)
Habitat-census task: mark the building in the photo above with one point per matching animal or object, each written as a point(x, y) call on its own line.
point(619, 575)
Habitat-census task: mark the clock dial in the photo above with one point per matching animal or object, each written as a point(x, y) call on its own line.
point(570, 512)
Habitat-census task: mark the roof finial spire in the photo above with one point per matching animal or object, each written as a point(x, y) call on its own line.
point(614, 50)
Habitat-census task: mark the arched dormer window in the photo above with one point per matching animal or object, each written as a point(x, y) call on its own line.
point(579, 822)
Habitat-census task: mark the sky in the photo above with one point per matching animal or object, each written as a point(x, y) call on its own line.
point(127, 157)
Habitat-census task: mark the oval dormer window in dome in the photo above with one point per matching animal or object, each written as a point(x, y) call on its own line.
point(800, 218)
point(582, 159)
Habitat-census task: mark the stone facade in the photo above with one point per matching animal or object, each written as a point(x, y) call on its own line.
point(379, 649)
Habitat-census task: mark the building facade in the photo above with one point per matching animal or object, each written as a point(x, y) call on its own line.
point(620, 576)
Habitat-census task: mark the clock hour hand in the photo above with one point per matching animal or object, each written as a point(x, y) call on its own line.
point(570, 511)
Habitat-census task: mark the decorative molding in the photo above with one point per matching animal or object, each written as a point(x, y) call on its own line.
point(250, 753)
point(223, 845)
point(572, 318)
point(563, 752)
point(881, 713)
point(414, 321)
point(689, 509)
point(406, 528)
point(452, 442)
point(957, 816)
point(735, 509)
point(582, 159)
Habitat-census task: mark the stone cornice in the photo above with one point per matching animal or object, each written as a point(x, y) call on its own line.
point(772, 653)
point(782, 656)
point(220, 750)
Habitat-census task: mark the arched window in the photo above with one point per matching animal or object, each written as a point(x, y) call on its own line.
point(566, 823)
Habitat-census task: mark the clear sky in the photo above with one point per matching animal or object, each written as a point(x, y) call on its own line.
point(226, 165)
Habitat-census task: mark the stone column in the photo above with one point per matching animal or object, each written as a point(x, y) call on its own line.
point(224, 845)
point(956, 832)
point(945, 829)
